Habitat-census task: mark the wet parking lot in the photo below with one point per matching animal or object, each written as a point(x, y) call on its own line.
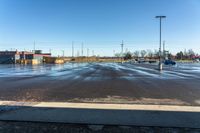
point(102, 83)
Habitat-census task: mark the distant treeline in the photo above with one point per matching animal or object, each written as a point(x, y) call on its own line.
point(186, 55)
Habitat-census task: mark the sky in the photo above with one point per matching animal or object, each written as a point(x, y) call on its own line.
point(100, 25)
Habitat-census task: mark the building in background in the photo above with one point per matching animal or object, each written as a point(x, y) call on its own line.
point(23, 57)
point(9, 57)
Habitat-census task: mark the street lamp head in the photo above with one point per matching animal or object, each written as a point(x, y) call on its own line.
point(160, 16)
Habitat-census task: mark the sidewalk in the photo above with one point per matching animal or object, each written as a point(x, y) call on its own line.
point(103, 114)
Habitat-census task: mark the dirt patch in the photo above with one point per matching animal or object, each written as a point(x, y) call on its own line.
point(128, 100)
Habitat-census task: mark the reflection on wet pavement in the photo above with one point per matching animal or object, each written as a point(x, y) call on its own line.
point(126, 71)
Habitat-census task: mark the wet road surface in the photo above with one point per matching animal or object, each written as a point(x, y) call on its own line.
point(102, 83)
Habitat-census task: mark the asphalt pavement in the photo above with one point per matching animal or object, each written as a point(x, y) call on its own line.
point(101, 83)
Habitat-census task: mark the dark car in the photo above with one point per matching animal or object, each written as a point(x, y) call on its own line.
point(169, 62)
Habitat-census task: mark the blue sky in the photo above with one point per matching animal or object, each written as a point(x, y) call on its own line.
point(99, 24)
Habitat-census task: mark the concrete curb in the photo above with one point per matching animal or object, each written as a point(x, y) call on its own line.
point(105, 114)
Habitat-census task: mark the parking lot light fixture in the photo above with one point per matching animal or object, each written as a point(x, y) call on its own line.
point(160, 58)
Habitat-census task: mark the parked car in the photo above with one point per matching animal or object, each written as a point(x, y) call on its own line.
point(132, 61)
point(196, 60)
point(169, 62)
point(141, 60)
point(152, 61)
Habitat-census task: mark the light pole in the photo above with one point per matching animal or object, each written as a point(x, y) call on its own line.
point(122, 51)
point(160, 59)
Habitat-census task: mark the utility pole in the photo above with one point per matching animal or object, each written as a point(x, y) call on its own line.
point(88, 52)
point(92, 52)
point(122, 50)
point(82, 49)
point(72, 49)
point(34, 46)
point(63, 53)
point(78, 53)
point(160, 58)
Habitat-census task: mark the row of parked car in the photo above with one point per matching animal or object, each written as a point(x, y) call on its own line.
point(166, 62)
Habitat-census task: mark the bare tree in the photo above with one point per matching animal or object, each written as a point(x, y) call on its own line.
point(136, 53)
point(118, 55)
point(179, 55)
point(143, 53)
point(156, 53)
point(149, 53)
point(128, 56)
point(191, 53)
point(185, 53)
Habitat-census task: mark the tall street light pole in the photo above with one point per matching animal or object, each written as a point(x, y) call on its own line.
point(160, 59)
point(122, 51)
